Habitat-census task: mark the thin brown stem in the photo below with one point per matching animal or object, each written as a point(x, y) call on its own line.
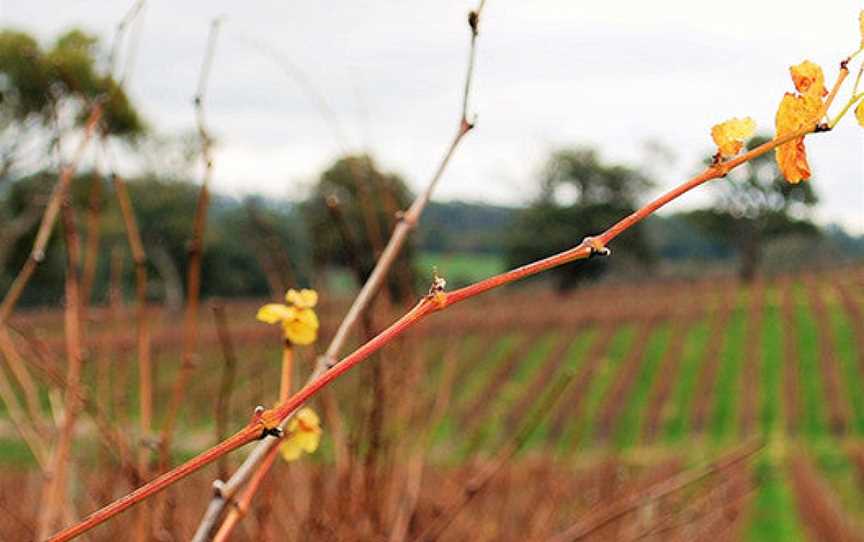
point(115, 399)
point(226, 385)
point(474, 25)
point(49, 219)
point(114, 441)
point(287, 371)
point(94, 234)
point(145, 368)
point(406, 223)
point(22, 376)
point(274, 258)
point(22, 425)
point(56, 485)
point(145, 365)
point(120, 33)
point(243, 503)
point(196, 245)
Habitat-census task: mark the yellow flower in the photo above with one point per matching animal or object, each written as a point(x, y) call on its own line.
point(731, 134)
point(299, 321)
point(303, 435)
point(303, 328)
point(272, 313)
point(304, 299)
point(859, 112)
point(808, 79)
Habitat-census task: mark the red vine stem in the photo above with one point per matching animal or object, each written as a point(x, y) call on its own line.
point(246, 435)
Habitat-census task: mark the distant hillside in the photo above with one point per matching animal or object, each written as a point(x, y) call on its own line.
point(460, 228)
point(464, 227)
point(675, 238)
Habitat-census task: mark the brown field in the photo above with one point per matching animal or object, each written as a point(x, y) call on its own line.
point(673, 411)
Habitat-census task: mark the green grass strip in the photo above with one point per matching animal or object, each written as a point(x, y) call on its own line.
point(772, 369)
point(582, 428)
point(772, 514)
point(811, 384)
point(846, 347)
point(727, 387)
point(475, 377)
point(628, 430)
point(842, 476)
point(574, 357)
point(16, 454)
point(437, 353)
point(508, 394)
point(473, 381)
point(682, 396)
point(459, 267)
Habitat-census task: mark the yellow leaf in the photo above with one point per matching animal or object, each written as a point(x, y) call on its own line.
point(272, 313)
point(731, 135)
point(793, 115)
point(303, 435)
point(798, 113)
point(859, 113)
point(304, 299)
point(809, 79)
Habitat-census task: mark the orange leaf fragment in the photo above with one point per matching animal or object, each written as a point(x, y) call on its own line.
point(809, 79)
point(731, 135)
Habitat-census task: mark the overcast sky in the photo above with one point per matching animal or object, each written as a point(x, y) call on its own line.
point(613, 75)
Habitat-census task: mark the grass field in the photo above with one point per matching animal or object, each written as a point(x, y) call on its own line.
point(460, 268)
point(669, 372)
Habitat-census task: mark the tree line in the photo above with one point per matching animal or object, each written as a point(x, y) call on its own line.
point(257, 246)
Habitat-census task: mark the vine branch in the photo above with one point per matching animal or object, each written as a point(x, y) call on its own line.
point(268, 422)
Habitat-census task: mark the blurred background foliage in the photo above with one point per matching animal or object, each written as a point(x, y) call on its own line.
point(330, 237)
point(350, 215)
point(580, 195)
point(38, 83)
